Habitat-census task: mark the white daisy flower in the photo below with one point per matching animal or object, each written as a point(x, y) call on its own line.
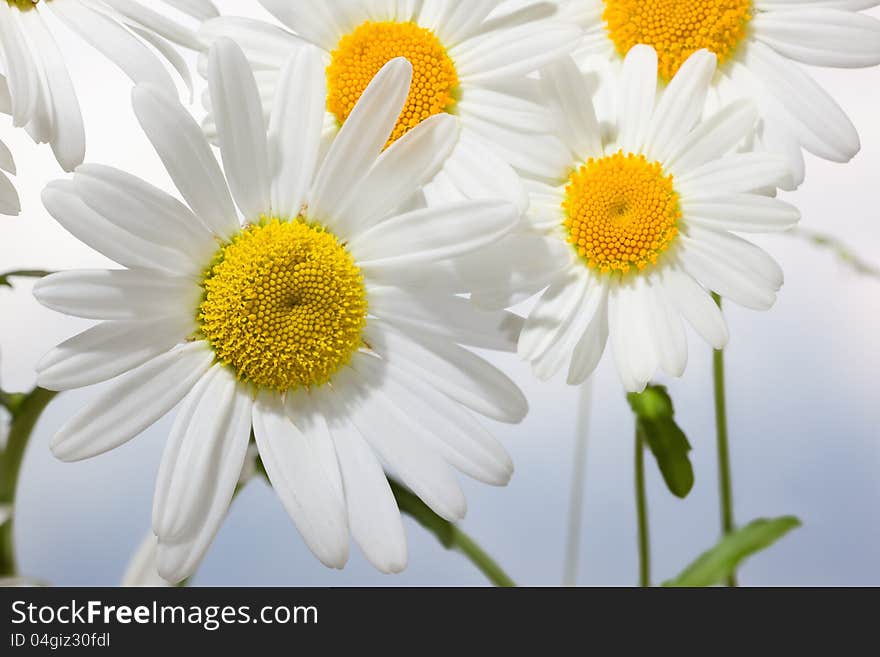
point(37, 86)
point(9, 203)
point(636, 227)
point(759, 45)
point(314, 321)
point(469, 60)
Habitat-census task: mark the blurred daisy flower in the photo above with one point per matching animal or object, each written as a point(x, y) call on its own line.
point(636, 227)
point(37, 87)
point(759, 45)
point(316, 320)
point(469, 59)
point(9, 203)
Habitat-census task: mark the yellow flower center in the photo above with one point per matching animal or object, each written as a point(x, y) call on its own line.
point(621, 212)
point(284, 305)
point(678, 28)
point(363, 52)
point(24, 5)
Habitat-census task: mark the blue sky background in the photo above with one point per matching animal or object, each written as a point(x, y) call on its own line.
point(803, 404)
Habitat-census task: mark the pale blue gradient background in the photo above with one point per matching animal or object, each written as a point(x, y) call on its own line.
point(803, 405)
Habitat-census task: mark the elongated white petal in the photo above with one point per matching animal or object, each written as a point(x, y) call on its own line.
point(116, 43)
point(713, 138)
point(637, 95)
point(681, 104)
point(110, 349)
point(187, 156)
point(740, 212)
point(132, 403)
point(448, 316)
point(821, 36)
point(696, 306)
point(146, 212)
point(360, 141)
point(204, 454)
point(240, 128)
point(387, 428)
point(119, 294)
point(434, 234)
point(453, 370)
point(400, 171)
point(301, 478)
point(565, 84)
point(88, 226)
point(295, 129)
point(373, 515)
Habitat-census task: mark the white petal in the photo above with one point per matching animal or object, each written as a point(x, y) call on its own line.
point(146, 212)
point(638, 93)
point(565, 84)
point(588, 352)
point(373, 515)
point(452, 317)
point(387, 428)
point(512, 52)
point(110, 349)
point(697, 306)
point(240, 128)
point(295, 129)
point(734, 174)
point(740, 212)
point(462, 375)
point(98, 232)
point(681, 104)
point(820, 36)
point(204, 454)
point(116, 43)
point(826, 130)
point(187, 156)
point(301, 478)
point(360, 141)
point(434, 234)
point(400, 172)
point(120, 294)
point(451, 430)
point(132, 403)
point(713, 138)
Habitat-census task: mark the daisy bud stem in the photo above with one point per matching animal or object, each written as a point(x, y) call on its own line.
point(642, 512)
point(449, 535)
point(25, 410)
point(724, 480)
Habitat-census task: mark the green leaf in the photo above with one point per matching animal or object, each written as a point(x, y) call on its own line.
point(25, 273)
point(714, 566)
point(655, 420)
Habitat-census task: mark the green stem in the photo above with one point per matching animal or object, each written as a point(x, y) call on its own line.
point(724, 480)
point(26, 410)
point(449, 535)
point(24, 273)
point(642, 511)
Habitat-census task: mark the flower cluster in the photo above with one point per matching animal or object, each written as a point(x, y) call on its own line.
point(393, 178)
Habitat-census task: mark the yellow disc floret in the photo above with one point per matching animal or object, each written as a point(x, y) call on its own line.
point(678, 28)
point(363, 52)
point(621, 212)
point(284, 305)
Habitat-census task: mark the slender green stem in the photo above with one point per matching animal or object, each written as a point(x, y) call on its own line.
point(642, 511)
point(26, 410)
point(724, 480)
point(578, 482)
point(450, 535)
point(5, 279)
